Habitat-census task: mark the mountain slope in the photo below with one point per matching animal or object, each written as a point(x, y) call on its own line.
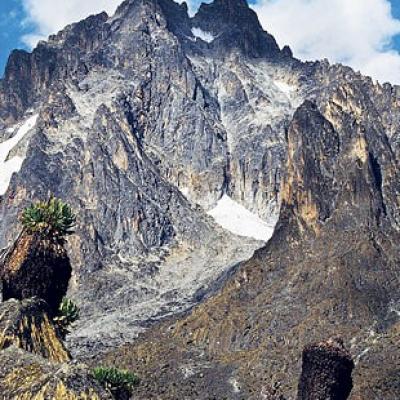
point(124, 122)
point(144, 127)
point(331, 268)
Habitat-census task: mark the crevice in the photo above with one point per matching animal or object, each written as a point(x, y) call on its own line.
point(378, 179)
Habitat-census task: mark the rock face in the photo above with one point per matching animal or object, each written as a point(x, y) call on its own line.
point(235, 26)
point(29, 377)
point(146, 119)
point(34, 266)
point(330, 268)
point(34, 363)
point(326, 372)
point(28, 325)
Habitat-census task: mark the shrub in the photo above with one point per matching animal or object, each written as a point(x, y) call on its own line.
point(68, 313)
point(53, 219)
point(119, 382)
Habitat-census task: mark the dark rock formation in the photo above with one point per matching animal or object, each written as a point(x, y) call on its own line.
point(27, 325)
point(36, 266)
point(29, 76)
point(326, 372)
point(236, 27)
point(143, 126)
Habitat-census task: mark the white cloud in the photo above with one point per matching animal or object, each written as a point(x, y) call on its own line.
point(50, 16)
point(355, 32)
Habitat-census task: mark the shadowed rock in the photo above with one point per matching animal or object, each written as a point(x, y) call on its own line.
point(326, 373)
point(36, 267)
point(26, 324)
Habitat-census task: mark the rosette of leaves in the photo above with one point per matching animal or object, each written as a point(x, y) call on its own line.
point(68, 313)
point(53, 219)
point(119, 382)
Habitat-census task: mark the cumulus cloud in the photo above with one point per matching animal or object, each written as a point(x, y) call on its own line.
point(358, 33)
point(49, 16)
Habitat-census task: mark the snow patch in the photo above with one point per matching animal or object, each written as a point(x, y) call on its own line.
point(206, 36)
point(394, 310)
point(285, 88)
point(237, 219)
point(9, 167)
point(235, 385)
point(185, 191)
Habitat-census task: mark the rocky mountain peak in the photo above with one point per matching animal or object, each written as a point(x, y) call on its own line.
point(168, 134)
point(235, 25)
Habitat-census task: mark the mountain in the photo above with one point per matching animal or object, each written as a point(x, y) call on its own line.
point(152, 124)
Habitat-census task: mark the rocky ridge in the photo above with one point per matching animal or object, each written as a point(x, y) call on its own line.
point(143, 126)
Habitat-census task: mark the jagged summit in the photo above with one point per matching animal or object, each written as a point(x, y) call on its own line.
point(152, 125)
point(235, 25)
point(231, 24)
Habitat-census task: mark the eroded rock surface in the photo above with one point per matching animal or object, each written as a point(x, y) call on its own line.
point(143, 126)
point(25, 376)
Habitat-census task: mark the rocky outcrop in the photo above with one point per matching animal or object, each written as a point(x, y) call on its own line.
point(326, 372)
point(29, 77)
point(28, 325)
point(36, 266)
point(236, 27)
point(34, 363)
point(25, 376)
point(144, 125)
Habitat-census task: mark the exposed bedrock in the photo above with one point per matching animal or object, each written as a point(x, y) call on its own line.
point(144, 122)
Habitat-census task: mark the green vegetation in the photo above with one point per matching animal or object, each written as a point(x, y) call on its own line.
point(119, 382)
point(53, 219)
point(68, 313)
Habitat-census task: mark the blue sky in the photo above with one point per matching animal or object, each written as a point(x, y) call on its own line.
point(362, 33)
point(396, 14)
point(11, 29)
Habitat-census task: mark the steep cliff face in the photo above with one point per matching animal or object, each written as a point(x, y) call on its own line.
point(145, 120)
point(134, 131)
point(330, 268)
